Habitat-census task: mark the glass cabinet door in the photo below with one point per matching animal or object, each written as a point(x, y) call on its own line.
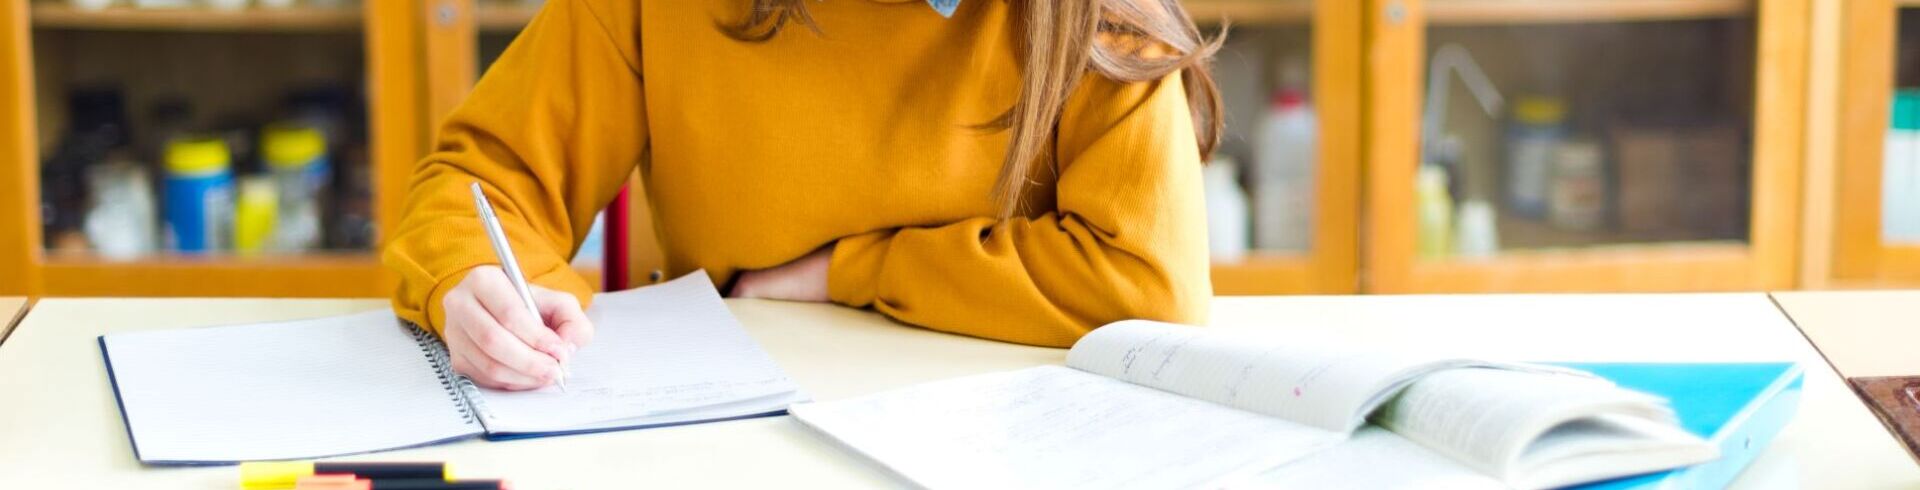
point(202, 148)
point(1574, 145)
point(1281, 190)
point(1876, 203)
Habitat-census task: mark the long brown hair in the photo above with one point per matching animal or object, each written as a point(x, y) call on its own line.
point(1123, 40)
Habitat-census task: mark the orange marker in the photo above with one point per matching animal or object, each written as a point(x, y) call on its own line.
point(332, 482)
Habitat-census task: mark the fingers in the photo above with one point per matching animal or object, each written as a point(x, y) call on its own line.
point(468, 359)
point(496, 294)
point(494, 353)
point(562, 312)
point(486, 373)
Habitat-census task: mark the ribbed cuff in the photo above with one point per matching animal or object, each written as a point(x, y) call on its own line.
point(437, 314)
point(853, 275)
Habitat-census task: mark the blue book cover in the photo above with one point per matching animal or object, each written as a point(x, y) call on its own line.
point(1738, 407)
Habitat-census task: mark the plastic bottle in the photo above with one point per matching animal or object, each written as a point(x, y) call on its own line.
point(1578, 200)
point(1476, 233)
point(1900, 178)
point(1435, 210)
point(199, 195)
point(1284, 169)
point(1226, 211)
point(120, 224)
point(296, 157)
point(1533, 139)
point(254, 215)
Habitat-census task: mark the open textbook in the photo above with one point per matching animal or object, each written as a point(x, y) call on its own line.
point(661, 355)
point(1151, 405)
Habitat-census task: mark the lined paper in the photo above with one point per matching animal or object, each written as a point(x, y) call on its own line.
point(1326, 386)
point(301, 389)
point(1056, 427)
point(658, 351)
point(663, 354)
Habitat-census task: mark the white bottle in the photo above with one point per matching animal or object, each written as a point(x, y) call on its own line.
point(1226, 211)
point(1900, 176)
point(1284, 174)
point(1476, 233)
point(1434, 207)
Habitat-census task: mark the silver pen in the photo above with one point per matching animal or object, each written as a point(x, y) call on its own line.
point(498, 236)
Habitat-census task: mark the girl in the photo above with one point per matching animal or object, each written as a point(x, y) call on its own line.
point(1023, 170)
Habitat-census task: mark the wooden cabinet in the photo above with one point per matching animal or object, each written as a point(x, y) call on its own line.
point(1583, 145)
point(1864, 209)
point(1269, 40)
point(228, 70)
point(1636, 145)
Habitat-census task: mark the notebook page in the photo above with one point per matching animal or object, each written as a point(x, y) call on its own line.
point(1328, 386)
point(301, 389)
point(751, 407)
point(1056, 427)
point(658, 349)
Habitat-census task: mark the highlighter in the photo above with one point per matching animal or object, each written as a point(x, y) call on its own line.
point(280, 475)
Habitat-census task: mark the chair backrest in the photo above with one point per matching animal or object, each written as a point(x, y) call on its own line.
point(633, 256)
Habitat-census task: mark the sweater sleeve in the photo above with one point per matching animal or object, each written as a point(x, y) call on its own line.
point(550, 133)
point(1127, 238)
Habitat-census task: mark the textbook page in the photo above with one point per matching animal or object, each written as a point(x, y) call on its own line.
point(302, 389)
point(1376, 458)
point(1508, 424)
point(1056, 427)
point(1332, 387)
point(657, 351)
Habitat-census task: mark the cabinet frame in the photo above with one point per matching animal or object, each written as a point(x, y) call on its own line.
point(1396, 40)
point(396, 137)
point(1332, 264)
point(20, 243)
point(1869, 35)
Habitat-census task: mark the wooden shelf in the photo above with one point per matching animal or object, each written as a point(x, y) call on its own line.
point(1524, 235)
point(1695, 266)
point(1265, 273)
point(503, 16)
point(1251, 12)
point(341, 276)
point(60, 15)
point(1498, 12)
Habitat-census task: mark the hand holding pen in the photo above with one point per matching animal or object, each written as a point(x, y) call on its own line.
point(508, 334)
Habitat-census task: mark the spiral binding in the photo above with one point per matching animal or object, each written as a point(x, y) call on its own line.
point(465, 395)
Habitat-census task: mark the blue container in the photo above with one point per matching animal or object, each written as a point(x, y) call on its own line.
point(198, 206)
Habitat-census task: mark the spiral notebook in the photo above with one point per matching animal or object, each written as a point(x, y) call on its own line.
point(662, 355)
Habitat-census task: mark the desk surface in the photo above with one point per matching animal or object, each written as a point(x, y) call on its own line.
point(12, 308)
point(61, 427)
point(1863, 333)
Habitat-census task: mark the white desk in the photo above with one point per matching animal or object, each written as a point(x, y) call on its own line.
point(59, 426)
point(1863, 333)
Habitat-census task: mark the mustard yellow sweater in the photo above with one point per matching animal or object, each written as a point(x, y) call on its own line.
point(756, 154)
